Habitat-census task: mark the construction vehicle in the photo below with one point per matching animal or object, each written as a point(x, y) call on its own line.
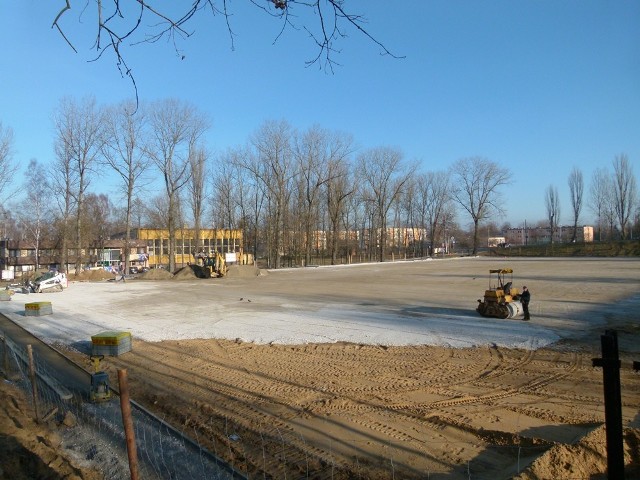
point(100, 390)
point(501, 300)
point(51, 281)
point(214, 261)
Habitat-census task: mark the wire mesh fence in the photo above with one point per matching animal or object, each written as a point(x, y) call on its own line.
point(94, 431)
point(222, 448)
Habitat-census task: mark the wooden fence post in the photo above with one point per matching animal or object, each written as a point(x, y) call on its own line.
point(127, 421)
point(32, 377)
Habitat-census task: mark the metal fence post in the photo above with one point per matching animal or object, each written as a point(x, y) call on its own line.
point(610, 363)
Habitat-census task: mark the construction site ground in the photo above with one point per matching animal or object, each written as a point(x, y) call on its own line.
point(364, 371)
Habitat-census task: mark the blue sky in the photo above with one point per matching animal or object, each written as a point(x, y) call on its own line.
point(538, 86)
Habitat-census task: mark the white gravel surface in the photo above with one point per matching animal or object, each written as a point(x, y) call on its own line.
point(404, 303)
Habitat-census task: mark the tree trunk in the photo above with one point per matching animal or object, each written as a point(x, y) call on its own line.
point(476, 235)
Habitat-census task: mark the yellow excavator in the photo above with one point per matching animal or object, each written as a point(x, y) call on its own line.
point(215, 262)
point(501, 299)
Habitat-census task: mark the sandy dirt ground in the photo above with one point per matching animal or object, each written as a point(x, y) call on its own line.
point(29, 450)
point(366, 410)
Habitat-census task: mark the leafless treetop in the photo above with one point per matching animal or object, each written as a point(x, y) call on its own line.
point(122, 23)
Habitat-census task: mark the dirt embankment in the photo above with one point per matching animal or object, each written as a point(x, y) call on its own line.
point(29, 450)
point(194, 272)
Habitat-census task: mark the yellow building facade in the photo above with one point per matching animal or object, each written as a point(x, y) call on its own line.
point(224, 241)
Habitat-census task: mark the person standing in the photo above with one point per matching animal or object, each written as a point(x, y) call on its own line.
point(525, 297)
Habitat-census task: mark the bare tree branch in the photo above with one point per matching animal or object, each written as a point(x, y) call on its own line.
point(115, 27)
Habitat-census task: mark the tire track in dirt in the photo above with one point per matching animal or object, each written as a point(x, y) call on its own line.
point(389, 372)
point(531, 386)
point(233, 401)
point(494, 394)
point(242, 409)
point(340, 407)
point(246, 412)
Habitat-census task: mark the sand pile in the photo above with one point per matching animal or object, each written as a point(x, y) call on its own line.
point(243, 271)
point(156, 274)
point(185, 273)
point(32, 450)
point(585, 459)
point(91, 276)
point(200, 272)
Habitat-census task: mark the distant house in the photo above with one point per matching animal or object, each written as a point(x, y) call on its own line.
point(542, 235)
point(19, 257)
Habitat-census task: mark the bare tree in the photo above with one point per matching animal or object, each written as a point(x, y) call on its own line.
point(123, 151)
point(476, 189)
point(79, 139)
point(434, 202)
point(624, 192)
point(317, 152)
point(238, 196)
point(273, 167)
point(226, 186)
point(410, 209)
point(384, 175)
point(338, 190)
point(36, 206)
point(8, 167)
point(552, 202)
point(65, 182)
point(157, 212)
point(366, 217)
point(8, 224)
point(138, 212)
point(97, 223)
point(176, 128)
point(197, 191)
point(576, 188)
point(119, 24)
point(601, 197)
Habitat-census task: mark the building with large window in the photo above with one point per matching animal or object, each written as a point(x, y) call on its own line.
point(188, 249)
point(542, 235)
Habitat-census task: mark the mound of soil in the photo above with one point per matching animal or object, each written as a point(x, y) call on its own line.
point(156, 274)
point(190, 272)
point(32, 450)
point(185, 273)
point(243, 271)
point(198, 271)
point(560, 460)
point(91, 276)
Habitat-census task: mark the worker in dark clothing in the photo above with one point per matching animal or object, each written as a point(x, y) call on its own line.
point(524, 299)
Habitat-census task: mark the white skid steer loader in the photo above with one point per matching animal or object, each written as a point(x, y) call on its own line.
point(49, 282)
